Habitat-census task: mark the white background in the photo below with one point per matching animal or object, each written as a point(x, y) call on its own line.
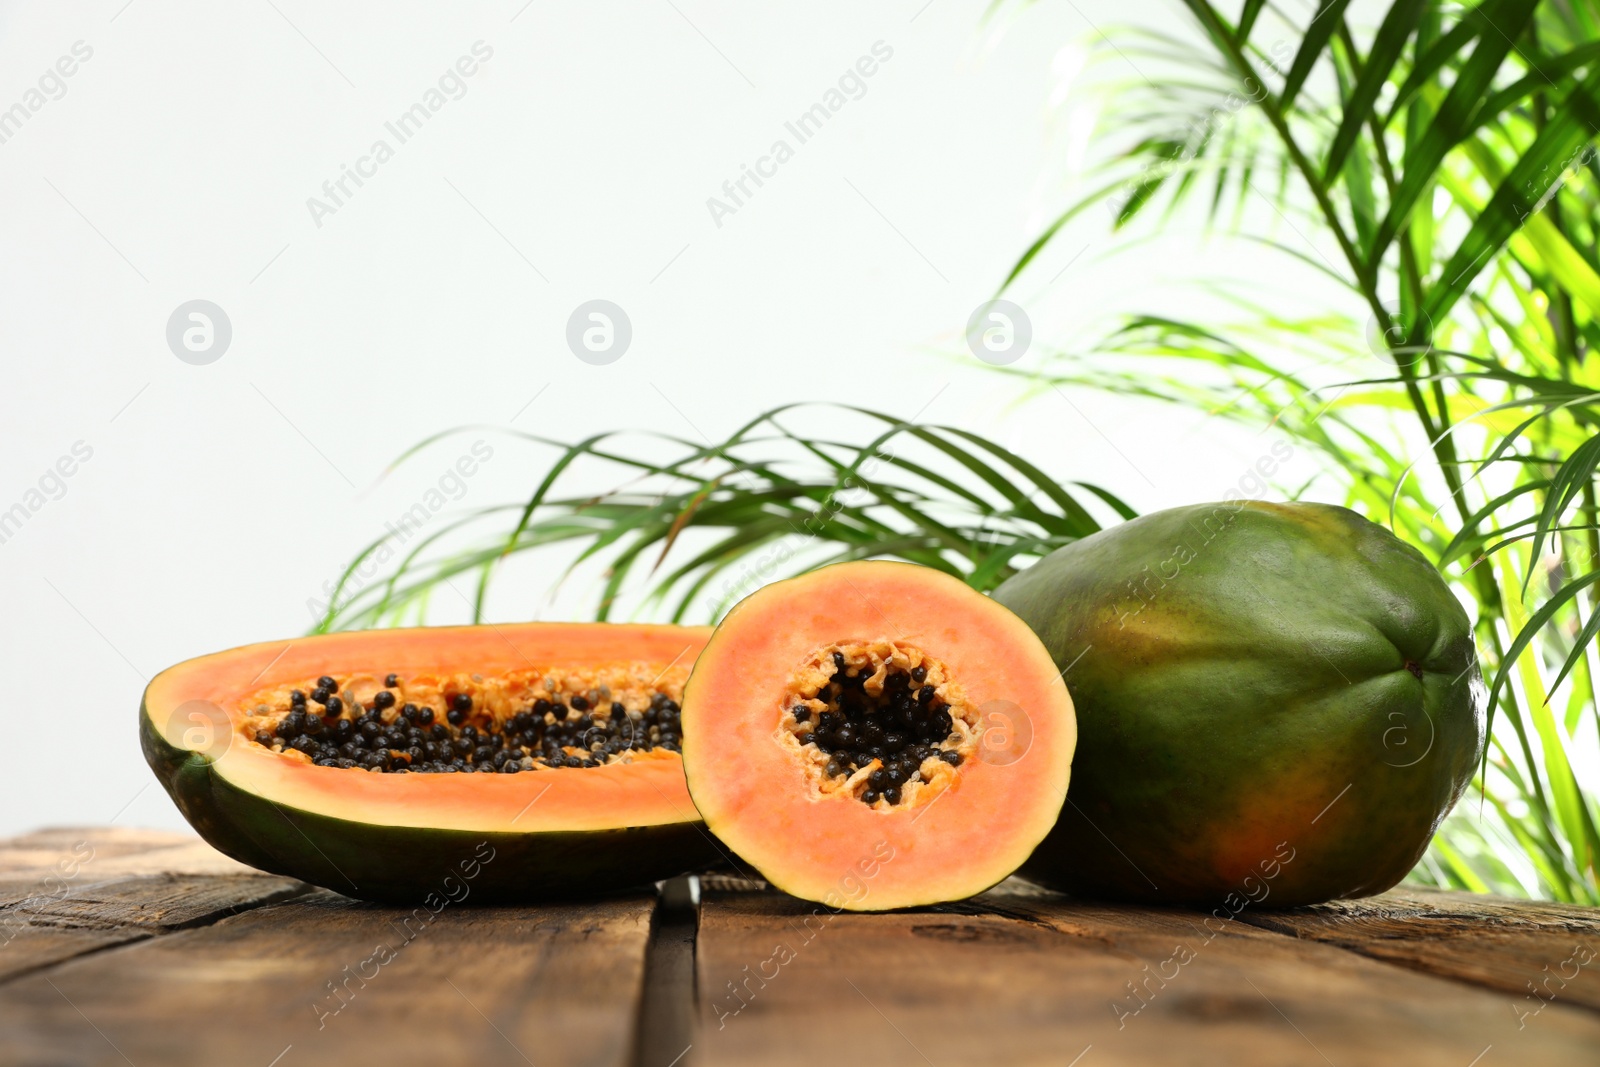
point(178, 165)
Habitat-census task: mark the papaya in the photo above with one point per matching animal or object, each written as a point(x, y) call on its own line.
point(876, 735)
point(492, 763)
point(1277, 705)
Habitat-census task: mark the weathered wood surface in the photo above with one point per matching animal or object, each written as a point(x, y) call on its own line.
point(322, 979)
point(64, 893)
point(1017, 978)
point(1529, 949)
point(153, 949)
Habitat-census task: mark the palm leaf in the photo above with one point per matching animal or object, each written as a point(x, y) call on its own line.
point(937, 495)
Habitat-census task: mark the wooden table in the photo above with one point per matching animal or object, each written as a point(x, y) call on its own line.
point(157, 951)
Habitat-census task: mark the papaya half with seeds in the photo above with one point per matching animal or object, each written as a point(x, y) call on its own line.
point(1277, 704)
point(491, 763)
point(877, 735)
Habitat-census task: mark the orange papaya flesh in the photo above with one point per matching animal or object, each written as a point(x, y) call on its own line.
point(549, 748)
point(877, 735)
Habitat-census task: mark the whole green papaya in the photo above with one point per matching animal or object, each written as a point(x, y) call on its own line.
point(1277, 704)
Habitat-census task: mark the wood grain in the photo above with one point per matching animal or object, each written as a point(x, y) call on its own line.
point(69, 892)
point(1028, 979)
point(114, 851)
point(327, 980)
point(120, 946)
point(1534, 950)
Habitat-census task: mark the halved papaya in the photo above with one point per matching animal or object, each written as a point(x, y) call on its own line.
point(877, 735)
point(500, 763)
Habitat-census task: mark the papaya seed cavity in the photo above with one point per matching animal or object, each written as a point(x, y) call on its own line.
point(534, 720)
point(878, 721)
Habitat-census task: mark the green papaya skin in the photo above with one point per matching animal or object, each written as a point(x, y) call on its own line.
point(1277, 704)
point(411, 865)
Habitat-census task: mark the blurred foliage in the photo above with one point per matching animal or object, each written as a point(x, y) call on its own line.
point(1445, 158)
point(767, 502)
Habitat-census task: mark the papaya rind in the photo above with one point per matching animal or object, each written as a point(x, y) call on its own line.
point(404, 865)
point(1258, 696)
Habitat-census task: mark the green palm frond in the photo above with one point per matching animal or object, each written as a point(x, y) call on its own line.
point(1450, 153)
point(689, 535)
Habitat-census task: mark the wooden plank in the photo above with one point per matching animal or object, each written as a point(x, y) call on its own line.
point(1016, 976)
point(34, 852)
point(112, 851)
point(1018, 979)
point(68, 892)
point(44, 929)
point(1535, 950)
point(327, 980)
point(156, 902)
